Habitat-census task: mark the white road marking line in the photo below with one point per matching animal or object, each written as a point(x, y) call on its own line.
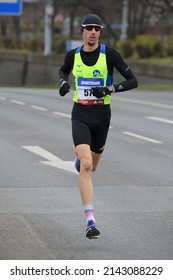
point(143, 102)
point(17, 102)
point(40, 152)
point(2, 98)
point(52, 160)
point(142, 137)
point(38, 108)
point(158, 119)
point(62, 114)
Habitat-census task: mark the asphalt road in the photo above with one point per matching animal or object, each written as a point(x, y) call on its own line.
point(41, 215)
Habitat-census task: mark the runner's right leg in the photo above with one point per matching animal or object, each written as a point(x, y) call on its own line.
point(86, 188)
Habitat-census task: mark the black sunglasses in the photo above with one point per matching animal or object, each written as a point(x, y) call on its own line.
point(90, 27)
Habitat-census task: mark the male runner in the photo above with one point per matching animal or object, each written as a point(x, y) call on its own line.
point(92, 65)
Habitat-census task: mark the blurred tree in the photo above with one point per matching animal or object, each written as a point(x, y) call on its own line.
point(3, 26)
point(138, 17)
point(17, 33)
point(162, 6)
point(141, 13)
point(101, 7)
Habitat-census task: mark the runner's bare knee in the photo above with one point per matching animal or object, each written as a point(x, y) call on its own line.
point(86, 165)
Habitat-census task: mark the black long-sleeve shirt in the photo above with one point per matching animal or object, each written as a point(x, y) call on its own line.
point(114, 60)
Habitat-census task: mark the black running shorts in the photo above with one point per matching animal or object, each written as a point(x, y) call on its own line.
point(90, 125)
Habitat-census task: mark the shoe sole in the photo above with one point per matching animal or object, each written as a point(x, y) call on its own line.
point(92, 233)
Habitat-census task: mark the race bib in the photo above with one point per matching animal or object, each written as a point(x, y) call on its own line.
point(85, 85)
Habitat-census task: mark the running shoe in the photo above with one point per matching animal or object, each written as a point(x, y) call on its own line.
point(92, 231)
point(77, 161)
point(77, 165)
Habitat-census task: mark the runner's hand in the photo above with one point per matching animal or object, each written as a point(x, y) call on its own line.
point(64, 88)
point(100, 92)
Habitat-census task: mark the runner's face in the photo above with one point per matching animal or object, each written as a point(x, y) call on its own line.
point(91, 38)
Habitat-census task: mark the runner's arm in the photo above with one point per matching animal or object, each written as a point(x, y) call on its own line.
point(67, 66)
point(116, 61)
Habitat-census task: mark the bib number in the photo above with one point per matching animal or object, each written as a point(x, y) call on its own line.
point(88, 92)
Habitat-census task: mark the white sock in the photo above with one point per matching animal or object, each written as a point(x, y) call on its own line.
point(88, 209)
